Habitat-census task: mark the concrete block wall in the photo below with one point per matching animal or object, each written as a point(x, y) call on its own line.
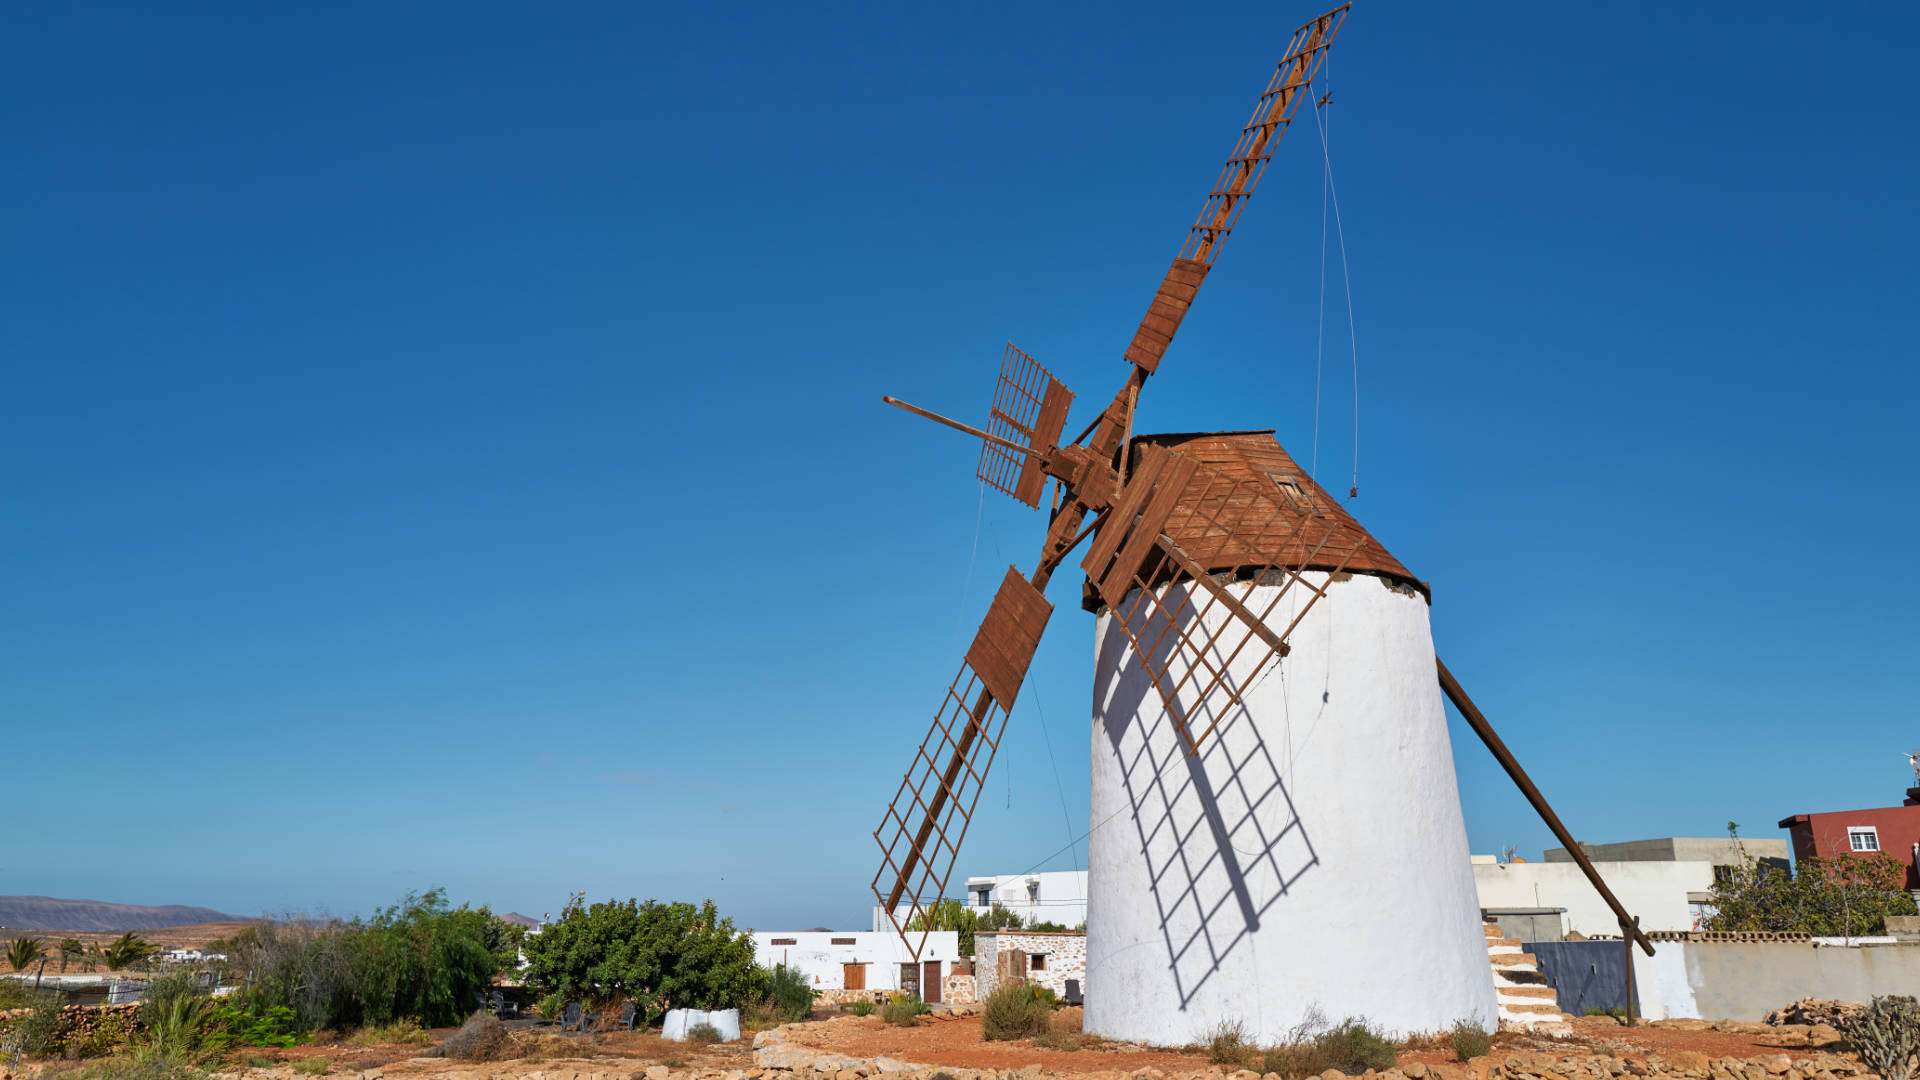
point(1744, 980)
point(1066, 958)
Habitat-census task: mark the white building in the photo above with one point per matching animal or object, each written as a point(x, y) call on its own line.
point(849, 964)
point(1057, 896)
point(1665, 895)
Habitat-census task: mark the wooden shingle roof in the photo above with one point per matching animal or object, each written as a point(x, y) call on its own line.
point(1256, 456)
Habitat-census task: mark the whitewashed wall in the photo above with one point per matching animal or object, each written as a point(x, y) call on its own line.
point(1312, 855)
point(1058, 896)
point(1655, 891)
point(816, 956)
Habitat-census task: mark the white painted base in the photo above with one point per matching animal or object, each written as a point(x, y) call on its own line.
point(1312, 856)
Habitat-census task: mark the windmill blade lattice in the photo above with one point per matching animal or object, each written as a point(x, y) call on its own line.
point(924, 825)
point(1029, 407)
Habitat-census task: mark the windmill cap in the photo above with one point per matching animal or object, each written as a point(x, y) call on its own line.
point(1257, 455)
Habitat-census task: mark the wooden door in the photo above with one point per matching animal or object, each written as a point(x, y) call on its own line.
point(1010, 966)
point(930, 982)
point(853, 976)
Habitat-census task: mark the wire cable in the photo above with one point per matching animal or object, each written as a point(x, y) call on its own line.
point(1346, 273)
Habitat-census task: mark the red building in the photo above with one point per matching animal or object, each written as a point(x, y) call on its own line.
point(1894, 830)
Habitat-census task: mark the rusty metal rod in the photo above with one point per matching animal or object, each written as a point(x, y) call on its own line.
point(1506, 759)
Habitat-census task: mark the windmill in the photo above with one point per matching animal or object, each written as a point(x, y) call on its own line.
point(1276, 826)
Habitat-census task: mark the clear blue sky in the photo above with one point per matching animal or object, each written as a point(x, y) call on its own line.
point(441, 444)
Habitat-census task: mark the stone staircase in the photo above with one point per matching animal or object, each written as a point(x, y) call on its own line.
point(1525, 999)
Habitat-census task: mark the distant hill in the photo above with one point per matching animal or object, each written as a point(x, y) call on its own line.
point(518, 919)
point(49, 913)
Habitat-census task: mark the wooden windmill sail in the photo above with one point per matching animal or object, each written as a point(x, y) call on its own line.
point(1208, 566)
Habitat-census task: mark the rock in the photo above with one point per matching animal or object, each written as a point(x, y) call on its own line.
point(780, 1056)
point(1330, 1074)
point(1414, 1070)
point(1688, 1063)
point(887, 1065)
point(1687, 1024)
point(1822, 1035)
point(657, 1072)
point(1776, 1064)
point(1814, 1011)
point(1484, 1068)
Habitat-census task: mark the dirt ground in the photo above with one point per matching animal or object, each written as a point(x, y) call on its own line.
point(1640, 1039)
point(580, 1052)
point(196, 936)
point(959, 1042)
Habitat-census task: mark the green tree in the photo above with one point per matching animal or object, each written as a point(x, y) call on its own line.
point(23, 951)
point(126, 950)
point(69, 949)
point(998, 917)
point(663, 955)
point(1847, 896)
point(948, 915)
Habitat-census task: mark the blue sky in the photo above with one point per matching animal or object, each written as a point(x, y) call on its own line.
point(442, 444)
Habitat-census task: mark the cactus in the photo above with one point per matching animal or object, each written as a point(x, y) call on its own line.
point(1886, 1035)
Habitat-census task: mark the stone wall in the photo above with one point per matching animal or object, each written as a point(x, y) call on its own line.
point(1065, 958)
point(958, 990)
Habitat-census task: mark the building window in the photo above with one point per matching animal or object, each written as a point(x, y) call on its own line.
point(980, 897)
point(1863, 838)
point(1037, 962)
point(1033, 891)
point(849, 941)
point(786, 941)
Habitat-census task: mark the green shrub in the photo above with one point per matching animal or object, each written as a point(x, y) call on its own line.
point(258, 1061)
point(41, 1032)
point(788, 994)
point(1353, 1047)
point(861, 1008)
point(1886, 1035)
point(704, 1034)
point(405, 1030)
point(421, 958)
point(15, 993)
point(236, 1022)
point(551, 1006)
point(1313, 1047)
point(313, 1066)
point(107, 1034)
point(1469, 1041)
point(178, 1024)
point(141, 1063)
point(1016, 1011)
point(903, 1010)
point(1228, 1044)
